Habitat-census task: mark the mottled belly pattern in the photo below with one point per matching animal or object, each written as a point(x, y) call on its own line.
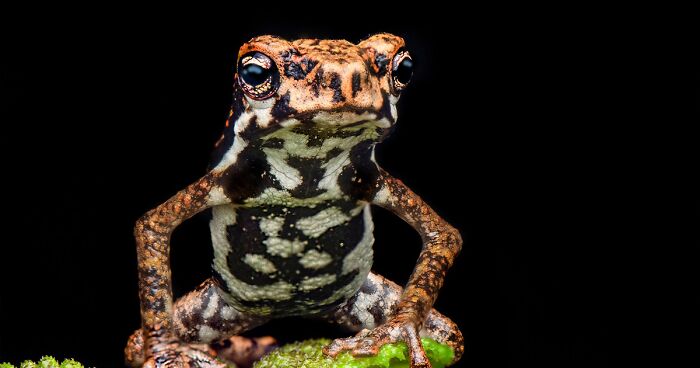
point(281, 260)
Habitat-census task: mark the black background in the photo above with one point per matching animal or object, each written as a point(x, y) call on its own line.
point(507, 130)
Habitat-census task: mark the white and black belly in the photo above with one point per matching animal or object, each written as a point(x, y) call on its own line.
point(299, 238)
point(292, 260)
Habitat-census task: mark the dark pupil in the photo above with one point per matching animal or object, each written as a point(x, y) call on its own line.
point(404, 71)
point(254, 74)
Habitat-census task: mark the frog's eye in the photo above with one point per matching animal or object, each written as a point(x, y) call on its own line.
point(258, 75)
point(401, 69)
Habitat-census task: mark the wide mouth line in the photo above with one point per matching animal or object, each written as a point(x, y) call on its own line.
point(357, 123)
point(340, 111)
point(324, 126)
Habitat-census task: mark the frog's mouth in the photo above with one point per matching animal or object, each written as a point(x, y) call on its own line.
point(338, 119)
point(348, 119)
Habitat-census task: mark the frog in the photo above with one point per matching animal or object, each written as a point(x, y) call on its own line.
point(290, 189)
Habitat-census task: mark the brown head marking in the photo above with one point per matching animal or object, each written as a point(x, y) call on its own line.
point(326, 75)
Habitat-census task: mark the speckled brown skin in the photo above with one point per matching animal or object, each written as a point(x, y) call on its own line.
point(441, 244)
point(341, 61)
point(321, 92)
point(152, 234)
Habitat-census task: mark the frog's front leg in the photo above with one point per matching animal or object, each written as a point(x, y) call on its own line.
point(161, 346)
point(441, 244)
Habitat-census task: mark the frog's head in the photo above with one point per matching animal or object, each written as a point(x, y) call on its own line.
point(320, 84)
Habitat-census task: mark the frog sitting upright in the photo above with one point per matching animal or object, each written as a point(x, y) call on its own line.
point(290, 190)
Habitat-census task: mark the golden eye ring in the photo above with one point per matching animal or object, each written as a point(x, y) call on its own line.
point(401, 70)
point(258, 75)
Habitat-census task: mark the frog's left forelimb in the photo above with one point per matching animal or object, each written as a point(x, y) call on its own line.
point(152, 233)
point(441, 244)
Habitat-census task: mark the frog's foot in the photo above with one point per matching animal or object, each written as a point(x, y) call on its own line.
point(169, 352)
point(244, 351)
point(184, 356)
point(368, 342)
point(372, 311)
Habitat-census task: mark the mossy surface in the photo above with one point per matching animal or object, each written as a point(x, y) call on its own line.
point(45, 362)
point(309, 354)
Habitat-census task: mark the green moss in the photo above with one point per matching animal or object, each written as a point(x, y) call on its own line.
point(309, 354)
point(45, 362)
